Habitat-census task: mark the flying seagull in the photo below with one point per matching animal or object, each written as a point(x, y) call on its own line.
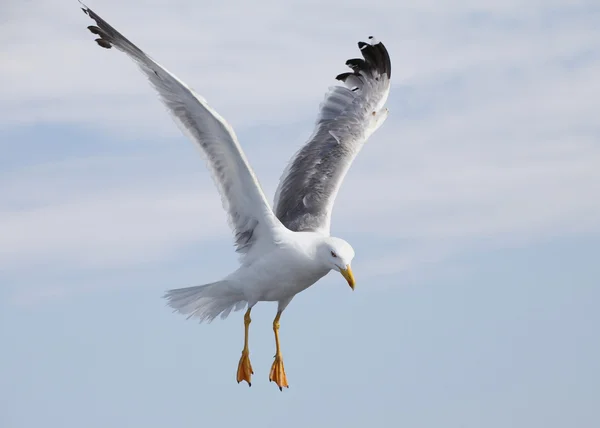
point(283, 250)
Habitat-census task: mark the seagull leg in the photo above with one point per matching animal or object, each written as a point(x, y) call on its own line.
point(277, 370)
point(244, 367)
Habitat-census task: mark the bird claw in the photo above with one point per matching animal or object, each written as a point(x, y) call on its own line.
point(277, 374)
point(245, 371)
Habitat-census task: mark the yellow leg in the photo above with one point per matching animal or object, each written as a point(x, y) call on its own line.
point(244, 367)
point(277, 370)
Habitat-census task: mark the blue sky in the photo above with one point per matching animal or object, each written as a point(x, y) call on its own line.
point(476, 264)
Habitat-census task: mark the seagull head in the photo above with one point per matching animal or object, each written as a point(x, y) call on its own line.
point(337, 255)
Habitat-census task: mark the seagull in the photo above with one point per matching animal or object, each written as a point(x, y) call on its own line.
point(285, 249)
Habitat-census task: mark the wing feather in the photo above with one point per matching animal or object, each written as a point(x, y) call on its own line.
point(249, 213)
point(347, 117)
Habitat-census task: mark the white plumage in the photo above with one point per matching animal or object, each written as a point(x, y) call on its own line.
point(285, 250)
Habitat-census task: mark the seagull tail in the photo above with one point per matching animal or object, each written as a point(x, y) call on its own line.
point(206, 302)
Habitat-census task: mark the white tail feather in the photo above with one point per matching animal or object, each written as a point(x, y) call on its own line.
point(206, 302)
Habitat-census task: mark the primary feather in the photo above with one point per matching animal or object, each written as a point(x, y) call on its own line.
point(347, 117)
point(249, 212)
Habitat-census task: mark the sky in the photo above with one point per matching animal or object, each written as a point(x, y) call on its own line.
point(474, 213)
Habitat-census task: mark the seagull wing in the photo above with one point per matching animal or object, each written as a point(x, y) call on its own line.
point(250, 216)
point(348, 115)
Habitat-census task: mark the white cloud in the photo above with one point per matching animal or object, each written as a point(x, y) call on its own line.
point(74, 220)
point(492, 137)
point(233, 51)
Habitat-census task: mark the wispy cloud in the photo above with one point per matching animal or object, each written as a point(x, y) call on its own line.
point(492, 137)
point(217, 49)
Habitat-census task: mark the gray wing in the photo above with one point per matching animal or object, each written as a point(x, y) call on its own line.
point(348, 116)
point(249, 213)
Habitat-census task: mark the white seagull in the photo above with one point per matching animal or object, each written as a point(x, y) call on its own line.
point(284, 250)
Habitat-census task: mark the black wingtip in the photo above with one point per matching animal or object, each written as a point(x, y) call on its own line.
point(84, 7)
point(94, 30)
point(376, 58)
point(103, 43)
point(106, 34)
point(343, 76)
point(357, 64)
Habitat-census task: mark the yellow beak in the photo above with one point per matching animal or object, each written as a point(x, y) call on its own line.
point(347, 273)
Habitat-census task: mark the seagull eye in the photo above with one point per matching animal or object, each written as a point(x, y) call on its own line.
point(333, 254)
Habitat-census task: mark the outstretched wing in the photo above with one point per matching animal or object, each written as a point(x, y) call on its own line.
point(250, 215)
point(348, 116)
